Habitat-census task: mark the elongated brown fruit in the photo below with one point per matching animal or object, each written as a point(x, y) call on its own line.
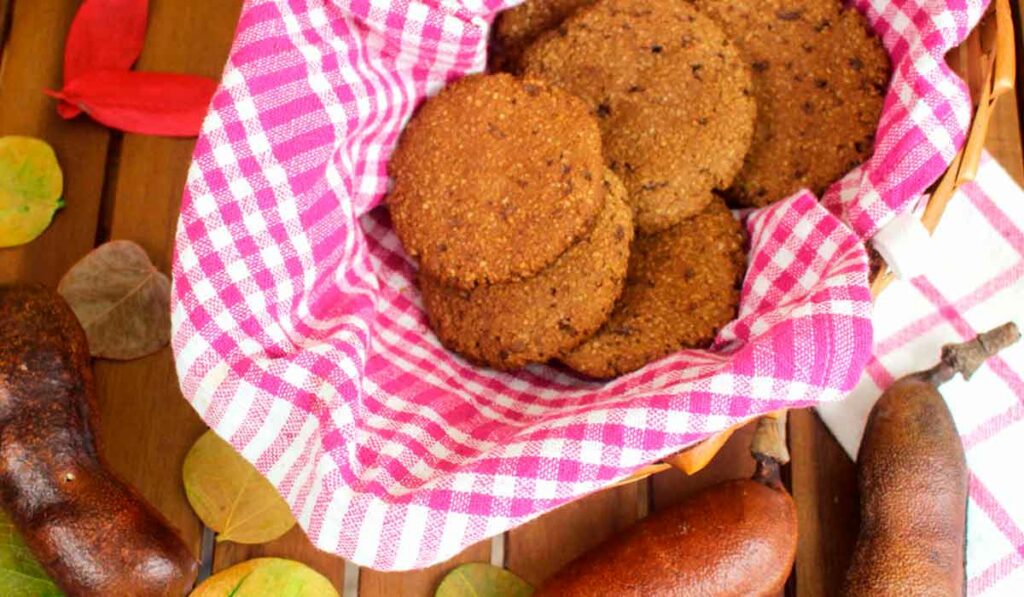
point(913, 491)
point(93, 534)
point(912, 476)
point(736, 538)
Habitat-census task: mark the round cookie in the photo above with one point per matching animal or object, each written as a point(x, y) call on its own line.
point(670, 91)
point(494, 178)
point(516, 28)
point(510, 325)
point(682, 287)
point(819, 80)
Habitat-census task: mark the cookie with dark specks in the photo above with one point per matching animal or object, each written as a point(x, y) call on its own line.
point(682, 287)
point(819, 80)
point(516, 28)
point(513, 324)
point(670, 91)
point(494, 179)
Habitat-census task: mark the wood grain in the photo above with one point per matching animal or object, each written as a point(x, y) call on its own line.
point(147, 426)
point(417, 583)
point(1004, 141)
point(540, 548)
point(5, 7)
point(33, 61)
point(190, 36)
point(823, 483)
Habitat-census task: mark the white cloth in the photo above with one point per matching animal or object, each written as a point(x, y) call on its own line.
point(976, 282)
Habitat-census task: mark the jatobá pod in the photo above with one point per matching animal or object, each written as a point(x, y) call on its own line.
point(92, 533)
point(912, 477)
point(736, 538)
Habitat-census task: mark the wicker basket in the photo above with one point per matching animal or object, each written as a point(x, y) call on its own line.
point(987, 62)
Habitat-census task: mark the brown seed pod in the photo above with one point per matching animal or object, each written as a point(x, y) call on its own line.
point(735, 538)
point(92, 533)
point(912, 476)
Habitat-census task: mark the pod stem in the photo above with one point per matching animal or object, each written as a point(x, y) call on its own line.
point(968, 357)
point(768, 447)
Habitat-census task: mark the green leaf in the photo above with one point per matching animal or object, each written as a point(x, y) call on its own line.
point(21, 575)
point(266, 576)
point(31, 184)
point(482, 580)
point(231, 496)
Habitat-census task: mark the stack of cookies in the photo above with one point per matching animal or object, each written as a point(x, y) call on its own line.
point(575, 210)
point(819, 80)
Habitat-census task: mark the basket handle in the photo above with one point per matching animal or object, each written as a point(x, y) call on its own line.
point(996, 53)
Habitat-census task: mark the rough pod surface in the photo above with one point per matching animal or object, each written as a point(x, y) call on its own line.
point(912, 476)
point(93, 534)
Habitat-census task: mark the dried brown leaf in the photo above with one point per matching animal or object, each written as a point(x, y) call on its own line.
point(121, 300)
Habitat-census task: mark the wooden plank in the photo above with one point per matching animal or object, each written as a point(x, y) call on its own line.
point(417, 583)
point(540, 548)
point(1004, 142)
point(191, 36)
point(823, 483)
point(733, 461)
point(32, 61)
point(147, 425)
point(5, 6)
point(294, 546)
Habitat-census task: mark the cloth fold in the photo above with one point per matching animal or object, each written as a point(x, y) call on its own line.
point(298, 333)
point(976, 284)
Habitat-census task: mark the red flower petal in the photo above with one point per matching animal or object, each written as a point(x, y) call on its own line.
point(165, 104)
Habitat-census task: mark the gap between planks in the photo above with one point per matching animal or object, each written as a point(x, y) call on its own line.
point(5, 27)
point(108, 194)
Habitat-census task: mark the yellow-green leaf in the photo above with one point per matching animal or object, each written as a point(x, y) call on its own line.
point(21, 575)
point(31, 184)
point(231, 496)
point(482, 580)
point(266, 576)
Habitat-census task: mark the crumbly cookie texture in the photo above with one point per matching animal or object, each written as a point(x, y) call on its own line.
point(681, 288)
point(512, 324)
point(672, 94)
point(494, 179)
point(516, 28)
point(820, 78)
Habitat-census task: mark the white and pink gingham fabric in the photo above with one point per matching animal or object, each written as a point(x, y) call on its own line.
point(298, 332)
point(976, 282)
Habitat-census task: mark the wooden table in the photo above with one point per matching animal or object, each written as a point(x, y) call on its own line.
point(129, 187)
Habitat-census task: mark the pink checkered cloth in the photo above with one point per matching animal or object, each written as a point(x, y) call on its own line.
point(298, 332)
point(976, 283)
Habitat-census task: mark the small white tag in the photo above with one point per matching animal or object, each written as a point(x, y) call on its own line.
point(905, 245)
